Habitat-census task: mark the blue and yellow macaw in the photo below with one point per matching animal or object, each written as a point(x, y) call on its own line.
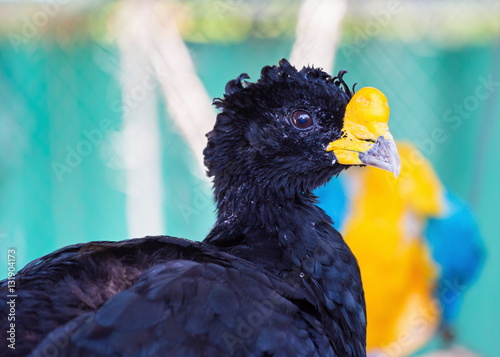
point(417, 251)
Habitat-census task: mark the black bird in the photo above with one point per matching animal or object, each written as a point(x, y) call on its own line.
point(273, 277)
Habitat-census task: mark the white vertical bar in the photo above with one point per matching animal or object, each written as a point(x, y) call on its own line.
point(318, 33)
point(140, 137)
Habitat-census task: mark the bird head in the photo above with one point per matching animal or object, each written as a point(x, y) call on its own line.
point(293, 130)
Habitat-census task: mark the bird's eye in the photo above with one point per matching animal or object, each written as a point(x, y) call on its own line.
point(302, 119)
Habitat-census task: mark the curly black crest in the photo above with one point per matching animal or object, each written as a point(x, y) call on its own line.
point(253, 135)
point(286, 73)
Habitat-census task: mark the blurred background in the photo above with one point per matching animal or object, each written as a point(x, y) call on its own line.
point(104, 106)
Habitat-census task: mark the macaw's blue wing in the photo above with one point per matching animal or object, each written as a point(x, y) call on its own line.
point(456, 245)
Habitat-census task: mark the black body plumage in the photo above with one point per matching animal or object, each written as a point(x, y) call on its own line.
point(273, 278)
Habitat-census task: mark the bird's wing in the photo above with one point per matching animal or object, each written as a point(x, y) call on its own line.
point(78, 279)
point(224, 307)
point(456, 245)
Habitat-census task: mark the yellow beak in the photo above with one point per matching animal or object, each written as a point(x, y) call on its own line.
point(366, 139)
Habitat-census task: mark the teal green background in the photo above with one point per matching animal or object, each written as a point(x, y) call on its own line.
point(51, 91)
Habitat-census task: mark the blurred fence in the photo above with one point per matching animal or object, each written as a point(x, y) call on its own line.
point(62, 107)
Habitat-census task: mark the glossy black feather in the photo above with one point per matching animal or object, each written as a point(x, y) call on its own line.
point(273, 278)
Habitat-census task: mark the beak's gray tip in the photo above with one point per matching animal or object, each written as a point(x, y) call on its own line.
point(383, 155)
